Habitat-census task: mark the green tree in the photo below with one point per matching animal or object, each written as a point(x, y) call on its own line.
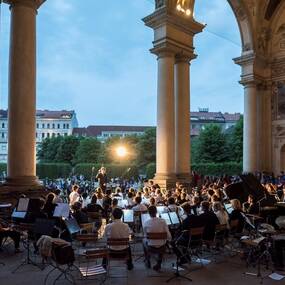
point(212, 146)
point(47, 150)
point(88, 151)
point(146, 148)
point(235, 142)
point(67, 149)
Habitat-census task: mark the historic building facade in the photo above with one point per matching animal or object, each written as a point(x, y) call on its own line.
point(48, 124)
point(262, 62)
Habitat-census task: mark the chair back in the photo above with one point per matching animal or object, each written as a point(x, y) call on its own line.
point(97, 253)
point(118, 242)
point(86, 237)
point(94, 216)
point(156, 236)
point(196, 231)
point(88, 227)
point(221, 228)
point(234, 224)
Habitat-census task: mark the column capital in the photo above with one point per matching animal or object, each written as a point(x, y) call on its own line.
point(183, 57)
point(34, 4)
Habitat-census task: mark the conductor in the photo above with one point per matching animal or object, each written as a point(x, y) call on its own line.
point(102, 178)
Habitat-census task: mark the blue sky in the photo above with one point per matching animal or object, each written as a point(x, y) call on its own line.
point(93, 58)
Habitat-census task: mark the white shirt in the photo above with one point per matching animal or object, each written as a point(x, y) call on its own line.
point(117, 229)
point(139, 208)
point(73, 197)
point(156, 225)
point(222, 217)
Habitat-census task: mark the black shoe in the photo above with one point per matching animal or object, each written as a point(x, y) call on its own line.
point(147, 263)
point(157, 267)
point(130, 266)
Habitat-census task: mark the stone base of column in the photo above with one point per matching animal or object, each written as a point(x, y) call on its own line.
point(165, 181)
point(11, 194)
point(25, 181)
point(14, 187)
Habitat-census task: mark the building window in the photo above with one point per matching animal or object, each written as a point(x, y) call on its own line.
point(64, 126)
point(48, 135)
point(48, 126)
point(58, 134)
point(53, 126)
point(53, 135)
point(67, 126)
point(3, 125)
point(36, 135)
point(43, 135)
point(38, 125)
point(65, 134)
point(43, 126)
point(58, 126)
point(3, 135)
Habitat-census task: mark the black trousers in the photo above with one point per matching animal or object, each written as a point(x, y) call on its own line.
point(278, 252)
point(14, 235)
point(148, 250)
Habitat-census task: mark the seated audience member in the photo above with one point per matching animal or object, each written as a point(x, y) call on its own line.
point(221, 214)
point(159, 198)
point(74, 195)
point(100, 196)
point(14, 235)
point(118, 230)
point(78, 214)
point(155, 225)
point(250, 207)
point(93, 206)
point(139, 207)
point(49, 205)
point(236, 215)
point(57, 198)
point(210, 220)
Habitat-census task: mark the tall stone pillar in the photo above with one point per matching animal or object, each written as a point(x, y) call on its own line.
point(182, 118)
point(250, 128)
point(165, 141)
point(22, 94)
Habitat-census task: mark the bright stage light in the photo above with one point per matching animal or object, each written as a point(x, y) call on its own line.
point(121, 151)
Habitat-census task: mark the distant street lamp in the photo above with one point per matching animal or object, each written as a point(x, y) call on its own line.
point(121, 151)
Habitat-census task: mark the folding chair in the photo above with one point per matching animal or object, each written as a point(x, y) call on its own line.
point(118, 255)
point(154, 250)
point(90, 267)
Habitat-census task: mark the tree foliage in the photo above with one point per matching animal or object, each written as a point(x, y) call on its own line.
point(212, 146)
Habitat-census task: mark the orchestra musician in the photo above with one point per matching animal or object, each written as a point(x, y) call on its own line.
point(6, 231)
point(155, 225)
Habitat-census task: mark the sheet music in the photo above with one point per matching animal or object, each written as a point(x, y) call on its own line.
point(61, 210)
point(23, 205)
point(174, 218)
point(128, 216)
point(144, 218)
point(166, 217)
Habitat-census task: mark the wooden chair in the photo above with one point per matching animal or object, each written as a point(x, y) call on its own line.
point(90, 267)
point(119, 255)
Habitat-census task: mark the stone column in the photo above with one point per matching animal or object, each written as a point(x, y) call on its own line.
point(250, 128)
point(165, 142)
point(22, 94)
point(182, 119)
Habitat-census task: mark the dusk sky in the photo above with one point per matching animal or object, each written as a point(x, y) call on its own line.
point(93, 57)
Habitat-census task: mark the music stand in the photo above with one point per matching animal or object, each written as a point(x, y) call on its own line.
point(27, 260)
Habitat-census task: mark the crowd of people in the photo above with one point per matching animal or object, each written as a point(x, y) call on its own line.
point(206, 205)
